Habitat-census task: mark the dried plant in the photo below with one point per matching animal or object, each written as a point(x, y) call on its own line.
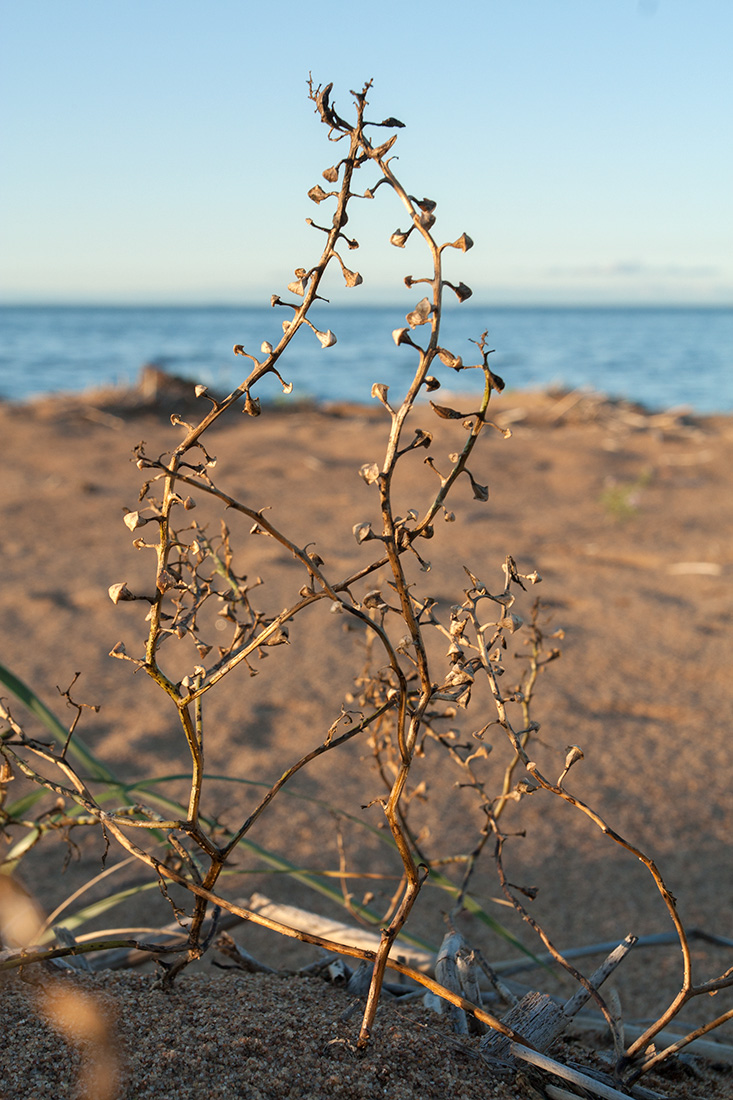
point(423, 659)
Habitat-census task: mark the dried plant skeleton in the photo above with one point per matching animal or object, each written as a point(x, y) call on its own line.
point(424, 659)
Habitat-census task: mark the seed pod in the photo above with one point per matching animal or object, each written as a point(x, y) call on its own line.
point(420, 315)
point(480, 492)
point(445, 413)
point(399, 239)
point(450, 359)
point(252, 405)
point(119, 592)
point(380, 391)
point(464, 242)
point(133, 520)
point(352, 278)
point(362, 532)
point(165, 581)
point(370, 472)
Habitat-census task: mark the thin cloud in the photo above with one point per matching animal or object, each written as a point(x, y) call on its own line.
point(633, 269)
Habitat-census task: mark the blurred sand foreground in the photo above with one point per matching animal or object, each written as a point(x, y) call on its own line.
point(628, 517)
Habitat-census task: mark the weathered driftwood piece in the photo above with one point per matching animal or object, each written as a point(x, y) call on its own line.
point(240, 958)
point(657, 939)
point(541, 1019)
point(456, 969)
point(555, 1092)
point(705, 1048)
point(590, 1084)
point(318, 925)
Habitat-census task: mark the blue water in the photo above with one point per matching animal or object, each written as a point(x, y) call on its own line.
point(661, 358)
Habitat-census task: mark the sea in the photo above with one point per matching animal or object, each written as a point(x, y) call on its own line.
point(660, 358)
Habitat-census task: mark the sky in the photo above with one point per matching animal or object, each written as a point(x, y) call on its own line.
point(161, 151)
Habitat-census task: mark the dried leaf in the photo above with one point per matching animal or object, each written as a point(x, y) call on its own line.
point(431, 382)
point(497, 383)
point(298, 287)
point(463, 292)
point(401, 336)
point(201, 391)
point(326, 339)
point(266, 347)
point(331, 175)
point(399, 239)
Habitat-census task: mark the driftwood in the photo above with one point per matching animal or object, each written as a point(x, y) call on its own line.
point(314, 923)
point(456, 969)
point(541, 1019)
point(590, 1084)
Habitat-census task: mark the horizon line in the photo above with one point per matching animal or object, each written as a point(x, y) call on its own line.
point(450, 307)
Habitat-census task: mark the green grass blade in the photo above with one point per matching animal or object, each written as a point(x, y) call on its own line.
point(77, 749)
point(96, 908)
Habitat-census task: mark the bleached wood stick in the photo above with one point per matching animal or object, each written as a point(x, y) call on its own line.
point(549, 1065)
point(598, 977)
point(318, 925)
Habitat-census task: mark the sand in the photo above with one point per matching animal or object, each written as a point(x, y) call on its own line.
point(628, 517)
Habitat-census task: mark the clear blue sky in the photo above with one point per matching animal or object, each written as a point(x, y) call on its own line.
point(161, 150)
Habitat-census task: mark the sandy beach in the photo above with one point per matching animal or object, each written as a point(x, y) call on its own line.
point(627, 517)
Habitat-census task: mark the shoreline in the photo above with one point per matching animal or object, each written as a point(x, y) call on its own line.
point(156, 387)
